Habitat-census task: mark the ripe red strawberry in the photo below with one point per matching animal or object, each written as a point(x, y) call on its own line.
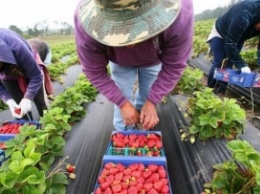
point(165, 189)
point(158, 144)
point(109, 165)
point(101, 179)
point(119, 176)
point(110, 179)
point(126, 140)
point(153, 167)
point(155, 177)
point(150, 143)
point(139, 186)
point(132, 182)
point(147, 173)
point(127, 171)
point(132, 136)
point(133, 166)
point(113, 170)
point(132, 190)
point(153, 136)
point(120, 166)
point(162, 173)
point(147, 186)
point(120, 135)
point(127, 177)
point(141, 167)
point(70, 168)
point(140, 180)
point(116, 188)
point(108, 191)
point(119, 143)
point(152, 191)
point(124, 185)
point(105, 185)
point(17, 111)
point(124, 191)
point(136, 174)
point(158, 186)
point(165, 181)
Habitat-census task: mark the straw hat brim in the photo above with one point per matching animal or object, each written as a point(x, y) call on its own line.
point(130, 31)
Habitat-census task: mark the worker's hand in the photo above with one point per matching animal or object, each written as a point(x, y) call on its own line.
point(148, 115)
point(130, 114)
point(14, 107)
point(26, 106)
point(245, 70)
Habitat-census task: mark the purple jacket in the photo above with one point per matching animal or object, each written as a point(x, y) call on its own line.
point(176, 46)
point(15, 50)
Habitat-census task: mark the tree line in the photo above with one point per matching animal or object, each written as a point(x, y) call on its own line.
point(215, 13)
point(42, 28)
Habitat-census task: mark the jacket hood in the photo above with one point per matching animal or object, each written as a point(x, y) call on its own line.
point(6, 53)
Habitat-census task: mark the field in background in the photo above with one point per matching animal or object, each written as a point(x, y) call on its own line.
point(58, 39)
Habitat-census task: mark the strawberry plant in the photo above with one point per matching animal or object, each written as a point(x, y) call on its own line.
point(211, 116)
point(31, 153)
point(241, 175)
point(190, 81)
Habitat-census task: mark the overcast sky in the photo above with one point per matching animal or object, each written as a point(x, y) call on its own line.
point(25, 13)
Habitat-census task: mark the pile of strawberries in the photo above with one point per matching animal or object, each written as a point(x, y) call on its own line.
point(136, 178)
point(138, 144)
point(10, 128)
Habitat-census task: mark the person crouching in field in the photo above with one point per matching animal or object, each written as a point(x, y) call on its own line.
point(21, 78)
point(228, 36)
point(148, 40)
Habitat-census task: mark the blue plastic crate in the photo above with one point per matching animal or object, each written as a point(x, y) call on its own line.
point(235, 77)
point(126, 161)
point(5, 137)
point(128, 151)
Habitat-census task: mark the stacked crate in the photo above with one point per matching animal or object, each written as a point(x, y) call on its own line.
point(134, 162)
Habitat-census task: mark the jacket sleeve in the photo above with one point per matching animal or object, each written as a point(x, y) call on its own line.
point(26, 62)
point(176, 50)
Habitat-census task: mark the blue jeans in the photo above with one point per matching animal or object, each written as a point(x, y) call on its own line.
point(217, 46)
point(125, 77)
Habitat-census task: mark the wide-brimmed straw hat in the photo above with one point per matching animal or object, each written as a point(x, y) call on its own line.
point(125, 22)
point(6, 53)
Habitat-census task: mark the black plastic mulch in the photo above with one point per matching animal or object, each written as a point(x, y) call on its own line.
point(189, 165)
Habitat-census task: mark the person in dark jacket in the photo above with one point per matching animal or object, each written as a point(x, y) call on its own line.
point(17, 62)
point(229, 33)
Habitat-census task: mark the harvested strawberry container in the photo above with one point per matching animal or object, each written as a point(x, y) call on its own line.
point(136, 143)
point(133, 175)
point(9, 129)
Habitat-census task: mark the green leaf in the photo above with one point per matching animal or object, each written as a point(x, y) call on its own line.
point(29, 149)
point(58, 140)
point(9, 179)
point(59, 179)
point(194, 129)
point(31, 189)
point(56, 189)
point(17, 156)
point(16, 167)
